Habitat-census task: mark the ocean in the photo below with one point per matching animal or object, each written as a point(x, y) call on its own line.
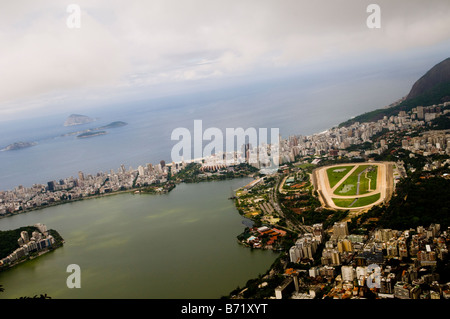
point(296, 106)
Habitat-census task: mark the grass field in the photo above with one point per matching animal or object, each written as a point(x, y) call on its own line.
point(373, 176)
point(368, 179)
point(362, 201)
point(335, 174)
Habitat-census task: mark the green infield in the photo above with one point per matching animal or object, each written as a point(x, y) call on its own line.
point(356, 202)
point(367, 177)
point(336, 173)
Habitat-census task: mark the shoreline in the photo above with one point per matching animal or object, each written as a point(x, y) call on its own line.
point(133, 191)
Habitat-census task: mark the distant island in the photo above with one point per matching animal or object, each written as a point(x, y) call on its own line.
point(93, 131)
point(112, 125)
point(78, 119)
point(92, 134)
point(18, 145)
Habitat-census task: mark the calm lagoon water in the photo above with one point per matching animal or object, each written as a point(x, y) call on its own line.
point(178, 245)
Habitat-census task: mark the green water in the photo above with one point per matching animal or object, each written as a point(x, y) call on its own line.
point(178, 245)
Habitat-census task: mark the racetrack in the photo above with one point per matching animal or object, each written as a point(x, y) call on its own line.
point(384, 185)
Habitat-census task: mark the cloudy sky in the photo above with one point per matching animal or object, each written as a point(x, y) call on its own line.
point(127, 48)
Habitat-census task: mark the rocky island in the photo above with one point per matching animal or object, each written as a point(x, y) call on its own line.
point(18, 145)
point(112, 125)
point(92, 134)
point(78, 119)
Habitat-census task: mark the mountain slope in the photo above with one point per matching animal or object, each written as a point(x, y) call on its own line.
point(434, 78)
point(432, 88)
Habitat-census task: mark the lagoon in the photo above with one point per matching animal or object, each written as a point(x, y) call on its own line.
point(177, 245)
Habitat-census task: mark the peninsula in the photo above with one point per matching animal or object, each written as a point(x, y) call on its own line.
point(25, 243)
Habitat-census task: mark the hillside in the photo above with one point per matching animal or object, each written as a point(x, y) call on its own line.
point(438, 76)
point(432, 88)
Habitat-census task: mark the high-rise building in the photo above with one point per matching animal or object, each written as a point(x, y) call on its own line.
point(314, 272)
point(420, 112)
point(51, 186)
point(308, 250)
point(344, 246)
point(25, 237)
point(340, 229)
point(295, 254)
point(361, 274)
point(42, 227)
point(335, 257)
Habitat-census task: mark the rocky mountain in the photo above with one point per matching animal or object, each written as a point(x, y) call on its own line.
point(436, 78)
point(432, 88)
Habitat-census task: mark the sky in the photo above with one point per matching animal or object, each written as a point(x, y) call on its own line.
point(129, 49)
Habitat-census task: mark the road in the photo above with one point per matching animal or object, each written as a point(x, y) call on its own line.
point(273, 197)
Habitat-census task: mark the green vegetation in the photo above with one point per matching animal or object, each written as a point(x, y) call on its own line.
point(363, 201)
point(157, 188)
point(440, 123)
point(356, 202)
point(335, 174)
point(8, 239)
point(370, 180)
point(420, 199)
point(349, 186)
point(343, 202)
point(192, 173)
point(438, 94)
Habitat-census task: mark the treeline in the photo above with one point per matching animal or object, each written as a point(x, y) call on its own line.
point(440, 123)
point(192, 173)
point(420, 200)
point(8, 239)
point(312, 213)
